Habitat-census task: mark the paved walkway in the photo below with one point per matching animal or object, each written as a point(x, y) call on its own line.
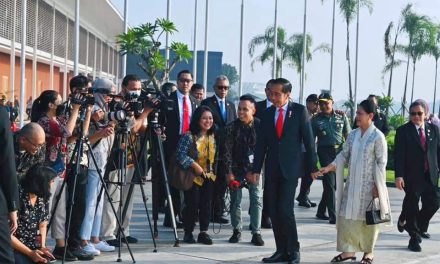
point(317, 238)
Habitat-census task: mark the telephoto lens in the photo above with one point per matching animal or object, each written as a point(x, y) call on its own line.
point(116, 115)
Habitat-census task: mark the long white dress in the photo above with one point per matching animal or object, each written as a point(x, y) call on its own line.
point(366, 157)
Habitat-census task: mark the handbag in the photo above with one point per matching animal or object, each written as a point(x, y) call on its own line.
point(372, 215)
point(182, 179)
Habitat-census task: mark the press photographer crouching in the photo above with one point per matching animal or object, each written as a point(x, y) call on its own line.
point(29, 148)
point(130, 111)
point(29, 241)
point(101, 139)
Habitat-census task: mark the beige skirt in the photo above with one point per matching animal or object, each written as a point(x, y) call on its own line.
point(356, 236)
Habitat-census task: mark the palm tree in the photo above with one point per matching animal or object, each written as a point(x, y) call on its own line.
point(435, 52)
point(390, 51)
point(348, 8)
point(267, 40)
point(416, 27)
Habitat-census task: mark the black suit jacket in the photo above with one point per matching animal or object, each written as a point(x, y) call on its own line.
point(410, 156)
point(8, 177)
point(286, 153)
point(231, 113)
point(261, 108)
point(172, 130)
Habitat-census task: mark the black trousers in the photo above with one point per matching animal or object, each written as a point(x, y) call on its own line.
point(280, 194)
point(306, 183)
point(326, 156)
point(219, 191)
point(6, 252)
point(417, 219)
point(79, 204)
point(197, 202)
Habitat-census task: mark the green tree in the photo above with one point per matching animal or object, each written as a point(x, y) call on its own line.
point(435, 52)
point(144, 41)
point(230, 72)
point(348, 9)
point(420, 37)
point(267, 41)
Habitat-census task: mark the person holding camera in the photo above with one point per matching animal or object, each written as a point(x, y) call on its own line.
point(29, 241)
point(240, 140)
point(137, 121)
point(197, 151)
point(49, 111)
point(101, 139)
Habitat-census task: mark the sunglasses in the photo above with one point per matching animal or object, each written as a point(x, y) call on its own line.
point(37, 147)
point(223, 87)
point(185, 80)
point(416, 113)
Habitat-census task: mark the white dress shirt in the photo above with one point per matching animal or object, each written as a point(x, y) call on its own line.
point(277, 112)
point(180, 103)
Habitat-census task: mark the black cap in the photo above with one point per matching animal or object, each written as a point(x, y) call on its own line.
point(312, 98)
point(325, 97)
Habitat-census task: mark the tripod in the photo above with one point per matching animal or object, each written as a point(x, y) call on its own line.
point(77, 154)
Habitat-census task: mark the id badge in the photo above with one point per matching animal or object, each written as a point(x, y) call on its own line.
point(251, 158)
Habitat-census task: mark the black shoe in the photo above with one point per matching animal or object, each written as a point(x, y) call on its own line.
point(131, 240)
point(266, 223)
point(236, 236)
point(303, 202)
point(113, 242)
point(276, 257)
point(322, 217)
point(81, 254)
point(294, 257)
point(257, 240)
point(167, 223)
point(204, 238)
point(58, 253)
point(220, 220)
point(425, 235)
point(414, 245)
point(189, 238)
point(332, 220)
point(312, 204)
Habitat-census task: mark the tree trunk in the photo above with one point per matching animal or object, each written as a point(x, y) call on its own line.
point(352, 106)
point(406, 85)
point(413, 81)
point(435, 85)
point(391, 73)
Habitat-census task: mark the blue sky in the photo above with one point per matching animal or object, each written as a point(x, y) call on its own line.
point(224, 30)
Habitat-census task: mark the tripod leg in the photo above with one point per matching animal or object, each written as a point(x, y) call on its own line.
point(144, 198)
point(104, 186)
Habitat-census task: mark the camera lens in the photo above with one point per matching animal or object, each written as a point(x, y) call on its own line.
point(117, 115)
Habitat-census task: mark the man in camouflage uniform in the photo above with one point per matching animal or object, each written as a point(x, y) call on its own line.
point(331, 128)
point(28, 148)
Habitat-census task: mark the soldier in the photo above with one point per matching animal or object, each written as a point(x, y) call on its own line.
point(331, 128)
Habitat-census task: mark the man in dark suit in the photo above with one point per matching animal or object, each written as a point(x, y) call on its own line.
point(261, 108)
point(177, 123)
point(285, 127)
point(417, 158)
point(223, 112)
point(8, 189)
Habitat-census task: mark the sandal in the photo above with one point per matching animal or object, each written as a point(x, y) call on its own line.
point(339, 258)
point(366, 260)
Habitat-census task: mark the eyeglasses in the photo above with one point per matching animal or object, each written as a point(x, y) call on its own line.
point(223, 87)
point(185, 80)
point(37, 147)
point(416, 113)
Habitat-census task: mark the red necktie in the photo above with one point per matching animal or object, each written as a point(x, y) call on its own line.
point(423, 141)
point(185, 126)
point(280, 123)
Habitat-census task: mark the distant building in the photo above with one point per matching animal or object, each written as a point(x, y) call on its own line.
point(214, 67)
point(50, 44)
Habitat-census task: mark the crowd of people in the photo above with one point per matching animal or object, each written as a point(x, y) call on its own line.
point(54, 166)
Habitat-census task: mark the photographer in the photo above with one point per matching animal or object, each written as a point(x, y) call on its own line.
point(50, 112)
point(101, 139)
point(136, 121)
point(240, 140)
point(29, 148)
point(29, 242)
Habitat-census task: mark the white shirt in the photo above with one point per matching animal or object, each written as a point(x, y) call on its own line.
point(277, 112)
point(180, 103)
point(220, 99)
point(418, 127)
point(268, 103)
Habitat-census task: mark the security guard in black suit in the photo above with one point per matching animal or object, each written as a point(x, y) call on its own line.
point(223, 112)
point(331, 128)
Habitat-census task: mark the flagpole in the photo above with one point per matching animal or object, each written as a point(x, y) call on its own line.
point(195, 44)
point(357, 56)
point(124, 57)
point(301, 93)
point(240, 76)
point(76, 48)
point(333, 45)
point(23, 62)
point(205, 61)
point(167, 42)
point(275, 41)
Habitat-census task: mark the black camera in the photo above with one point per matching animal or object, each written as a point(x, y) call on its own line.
point(156, 99)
